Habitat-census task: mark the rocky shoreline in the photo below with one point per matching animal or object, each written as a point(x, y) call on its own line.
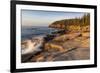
point(70, 46)
point(72, 42)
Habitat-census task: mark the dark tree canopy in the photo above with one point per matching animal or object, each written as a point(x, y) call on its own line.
point(84, 21)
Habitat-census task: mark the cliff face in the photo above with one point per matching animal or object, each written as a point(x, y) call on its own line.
point(75, 24)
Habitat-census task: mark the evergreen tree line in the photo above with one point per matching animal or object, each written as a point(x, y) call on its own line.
point(83, 21)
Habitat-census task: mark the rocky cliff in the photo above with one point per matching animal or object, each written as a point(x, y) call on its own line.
point(76, 24)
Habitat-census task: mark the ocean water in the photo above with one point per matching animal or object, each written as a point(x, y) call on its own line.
point(28, 32)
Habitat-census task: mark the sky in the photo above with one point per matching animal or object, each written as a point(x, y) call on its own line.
point(45, 18)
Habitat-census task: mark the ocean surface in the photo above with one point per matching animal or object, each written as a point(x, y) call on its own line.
point(28, 32)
